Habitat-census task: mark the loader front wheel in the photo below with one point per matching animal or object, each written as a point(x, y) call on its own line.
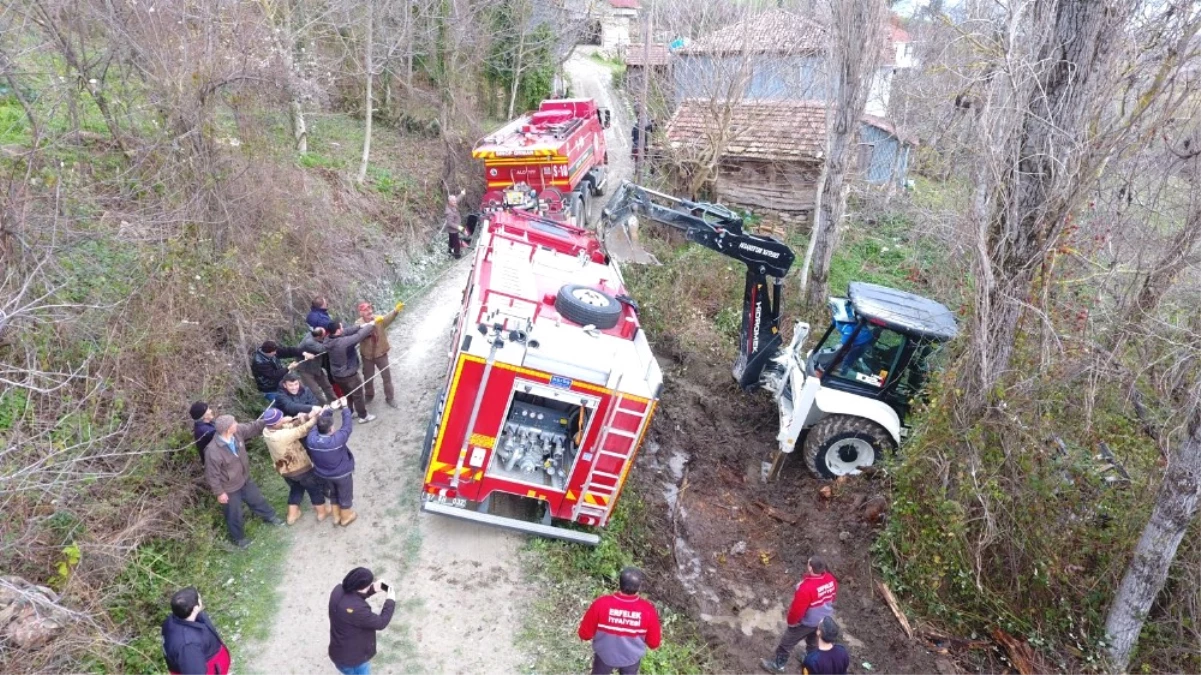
point(842, 445)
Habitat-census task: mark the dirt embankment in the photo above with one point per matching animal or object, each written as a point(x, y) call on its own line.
point(738, 546)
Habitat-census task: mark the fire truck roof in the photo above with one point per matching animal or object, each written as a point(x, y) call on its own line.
point(523, 262)
point(542, 133)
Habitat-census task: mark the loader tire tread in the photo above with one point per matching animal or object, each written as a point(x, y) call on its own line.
point(823, 435)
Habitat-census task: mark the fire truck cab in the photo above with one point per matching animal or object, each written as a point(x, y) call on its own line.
point(550, 388)
point(553, 160)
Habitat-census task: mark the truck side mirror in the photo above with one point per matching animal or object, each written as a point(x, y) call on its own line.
point(604, 114)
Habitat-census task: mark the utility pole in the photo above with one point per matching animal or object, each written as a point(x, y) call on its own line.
point(643, 120)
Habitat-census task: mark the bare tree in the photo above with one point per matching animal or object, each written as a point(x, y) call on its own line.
point(856, 31)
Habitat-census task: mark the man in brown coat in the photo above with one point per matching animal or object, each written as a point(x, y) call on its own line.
point(282, 436)
point(374, 351)
point(227, 471)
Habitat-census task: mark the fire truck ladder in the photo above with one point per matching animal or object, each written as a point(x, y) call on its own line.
point(616, 443)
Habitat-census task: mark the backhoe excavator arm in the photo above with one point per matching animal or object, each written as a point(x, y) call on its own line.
point(719, 229)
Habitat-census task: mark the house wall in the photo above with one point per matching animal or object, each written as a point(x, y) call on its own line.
point(779, 186)
point(778, 77)
point(880, 155)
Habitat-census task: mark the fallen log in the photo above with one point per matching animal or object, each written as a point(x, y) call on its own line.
point(777, 514)
point(896, 608)
point(1021, 654)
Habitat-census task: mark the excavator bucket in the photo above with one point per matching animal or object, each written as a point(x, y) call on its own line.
point(621, 243)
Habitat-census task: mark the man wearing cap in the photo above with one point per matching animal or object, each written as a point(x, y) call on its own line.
point(812, 602)
point(828, 658)
point(202, 426)
point(267, 368)
point(342, 347)
point(227, 471)
point(621, 627)
point(312, 369)
point(374, 350)
point(352, 624)
point(282, 436)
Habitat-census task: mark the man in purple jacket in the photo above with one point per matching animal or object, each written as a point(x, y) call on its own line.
point(333, 461)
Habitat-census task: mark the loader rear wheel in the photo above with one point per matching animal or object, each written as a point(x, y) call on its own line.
point(841, 445)
point(587, 306)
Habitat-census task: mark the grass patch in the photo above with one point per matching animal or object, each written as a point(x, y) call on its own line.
point(238, 587)
point(614, 64)
point(570, 576)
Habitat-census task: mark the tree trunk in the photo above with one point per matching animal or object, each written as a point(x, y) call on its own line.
point(857, 28)
point(517, 68)
point(300, 130)
point(368, 113)
point(643, 103)
point(1045, 166)
point(1175, 506)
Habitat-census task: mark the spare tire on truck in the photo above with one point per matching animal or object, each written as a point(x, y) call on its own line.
point(588, 306)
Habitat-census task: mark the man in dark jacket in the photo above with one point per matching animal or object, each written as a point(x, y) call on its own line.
point(319, 313)
point(312, 370)
point(202, 426)
point(352, 624)
point(191, 645)
point(293, 398)
point(333, 462)
point(267, 368)
point(227, 471)
point(829, 658)
point(342, 345)
point(452, 225)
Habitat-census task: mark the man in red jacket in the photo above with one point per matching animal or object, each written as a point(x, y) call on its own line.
point(812, 602)
point(621, 626)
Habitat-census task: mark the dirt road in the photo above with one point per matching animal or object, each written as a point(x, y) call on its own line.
point(460, 588)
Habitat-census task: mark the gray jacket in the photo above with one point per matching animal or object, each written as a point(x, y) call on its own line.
point(311, 345)
point(343, 350)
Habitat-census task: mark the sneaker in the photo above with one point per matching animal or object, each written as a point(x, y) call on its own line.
point(368, 418)
point(771, 666)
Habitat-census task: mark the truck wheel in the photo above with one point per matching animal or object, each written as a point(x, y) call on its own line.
point(587, 306)
point(840, 445)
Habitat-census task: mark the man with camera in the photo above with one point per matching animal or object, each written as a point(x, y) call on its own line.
point(352, 624)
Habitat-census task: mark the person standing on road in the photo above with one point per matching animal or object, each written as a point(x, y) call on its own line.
point(621, 627)
point(374, 351)
point(352, 624)
point(312, 369)
point(319, 313)
point(227, 471)
point(283, 437)
point(342, 347)
point(191, 644)
point(202, 426)
point(453, 225)
point(812, 602)
point(828, 658)
point(333, 462)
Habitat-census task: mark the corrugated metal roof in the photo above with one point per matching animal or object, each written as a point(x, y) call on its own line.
point(904, 311)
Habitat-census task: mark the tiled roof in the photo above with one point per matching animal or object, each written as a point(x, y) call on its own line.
point(658, 55)
point(775, 31)
point(754, 129)
point(759, 129)
point(623, 4)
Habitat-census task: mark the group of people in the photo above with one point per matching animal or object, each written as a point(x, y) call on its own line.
point(308, 452)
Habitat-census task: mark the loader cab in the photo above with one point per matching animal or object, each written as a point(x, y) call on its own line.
point(882, 343)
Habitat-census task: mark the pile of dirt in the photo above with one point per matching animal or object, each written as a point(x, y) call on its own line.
point(738, 547)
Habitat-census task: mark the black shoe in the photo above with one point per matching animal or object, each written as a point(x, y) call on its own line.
point(243, 544)
point(771, 666)
point(274, 520)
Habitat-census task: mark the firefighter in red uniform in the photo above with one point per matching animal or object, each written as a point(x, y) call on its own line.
point(812, 602)
point(621, 626)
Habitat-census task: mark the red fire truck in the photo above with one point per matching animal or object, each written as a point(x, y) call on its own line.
point(551, 387)
point(552, 159)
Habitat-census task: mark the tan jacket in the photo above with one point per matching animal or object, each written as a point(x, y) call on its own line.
point(223, 471)
point(376, 344)
point(287, 453)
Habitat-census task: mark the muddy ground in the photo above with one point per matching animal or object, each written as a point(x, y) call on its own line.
point(733, 565)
